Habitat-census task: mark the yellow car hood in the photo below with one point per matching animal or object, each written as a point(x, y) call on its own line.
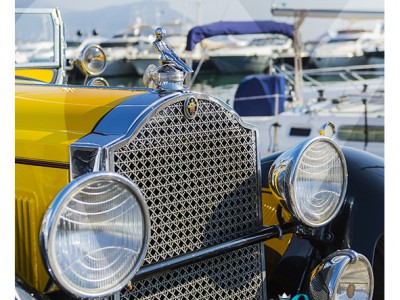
point(49, 118)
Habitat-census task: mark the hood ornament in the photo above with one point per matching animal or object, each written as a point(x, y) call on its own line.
point(171, 72)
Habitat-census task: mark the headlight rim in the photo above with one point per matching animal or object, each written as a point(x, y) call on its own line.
point(289, 160)
point(344, 186)
point(47, 231)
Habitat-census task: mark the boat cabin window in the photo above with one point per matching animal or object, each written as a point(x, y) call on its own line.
point(298, 131)
point(357, 133)
point(73, 43)
point(268, 41)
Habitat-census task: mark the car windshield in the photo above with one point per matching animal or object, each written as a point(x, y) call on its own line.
point(34, 38)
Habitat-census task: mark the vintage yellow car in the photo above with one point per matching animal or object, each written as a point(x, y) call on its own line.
point(161, 193)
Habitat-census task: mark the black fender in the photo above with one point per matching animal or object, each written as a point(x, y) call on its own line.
point(359, 224)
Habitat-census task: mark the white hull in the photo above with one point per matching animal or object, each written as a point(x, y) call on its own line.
point(119, 67)
point(312, 124)
point(328, 62)
point(347, 113)
point(140, 64)
point(240, 64)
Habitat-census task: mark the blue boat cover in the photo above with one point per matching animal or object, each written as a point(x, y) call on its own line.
point(255, 95)
point(198, 33)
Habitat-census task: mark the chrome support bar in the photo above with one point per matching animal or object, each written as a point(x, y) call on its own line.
point(266, 233)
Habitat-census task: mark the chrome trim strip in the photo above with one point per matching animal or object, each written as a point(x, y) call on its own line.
point(41, 163)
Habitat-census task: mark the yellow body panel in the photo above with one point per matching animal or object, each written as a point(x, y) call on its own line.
point(270, 204)
point(35, 189)
point(45, 75)
point(48, 119)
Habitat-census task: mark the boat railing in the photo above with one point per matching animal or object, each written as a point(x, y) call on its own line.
point(358, 73)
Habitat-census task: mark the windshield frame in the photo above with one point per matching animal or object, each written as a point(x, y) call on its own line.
point(57, 39)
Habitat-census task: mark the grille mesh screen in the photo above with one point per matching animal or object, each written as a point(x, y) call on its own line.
point(234, 275)
point(199, 179)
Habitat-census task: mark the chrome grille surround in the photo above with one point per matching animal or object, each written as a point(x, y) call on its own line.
point(200, 179)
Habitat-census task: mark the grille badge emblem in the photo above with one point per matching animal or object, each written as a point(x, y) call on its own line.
point(190, 108)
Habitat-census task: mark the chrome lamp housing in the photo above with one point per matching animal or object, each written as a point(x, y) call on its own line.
point(92, 60)
point(345, 274)
point(95, 234)
point(312, 179)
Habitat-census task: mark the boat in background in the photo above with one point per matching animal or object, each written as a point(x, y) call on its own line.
point(355, 105)
point(121, 47)
point(347, 48)
point(291, 104)
point(253, 57)
point(249, 58)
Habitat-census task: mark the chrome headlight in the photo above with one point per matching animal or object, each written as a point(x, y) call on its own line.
point(92, 60)
point(95, 234)
point(312, 179)
point(345, 274)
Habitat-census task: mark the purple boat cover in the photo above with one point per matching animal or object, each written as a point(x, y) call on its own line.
point(198, 33)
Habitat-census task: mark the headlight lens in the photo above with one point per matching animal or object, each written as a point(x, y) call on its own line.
point(345, 274)
point(312, 178)
point(356, 281)
point(92, 60)
point(95, 234)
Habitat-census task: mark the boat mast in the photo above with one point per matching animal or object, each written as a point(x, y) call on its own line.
point(298, 63)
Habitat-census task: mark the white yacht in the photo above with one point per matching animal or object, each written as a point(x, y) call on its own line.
point(121, 47)
point(346, 48)
point(254, 57)
point(249, 57)
point(355, 106)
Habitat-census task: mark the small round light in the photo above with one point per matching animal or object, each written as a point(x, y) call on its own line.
point(97, 81)
point(92, 60)
point(95, 234)
point(312, 178)
point(345, 274)
point(356, 281)
point(328, 129)
point(148, 80)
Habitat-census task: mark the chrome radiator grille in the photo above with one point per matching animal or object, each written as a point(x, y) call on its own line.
point(234, 275)
point(200, 181)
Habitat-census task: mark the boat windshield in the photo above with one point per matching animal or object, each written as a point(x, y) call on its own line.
point(268, 41)
point(342, 40)
point(34, 39)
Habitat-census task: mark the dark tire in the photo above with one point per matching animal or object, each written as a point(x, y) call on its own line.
point(379, 270)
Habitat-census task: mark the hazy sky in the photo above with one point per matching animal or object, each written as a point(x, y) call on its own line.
point(207, 11)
